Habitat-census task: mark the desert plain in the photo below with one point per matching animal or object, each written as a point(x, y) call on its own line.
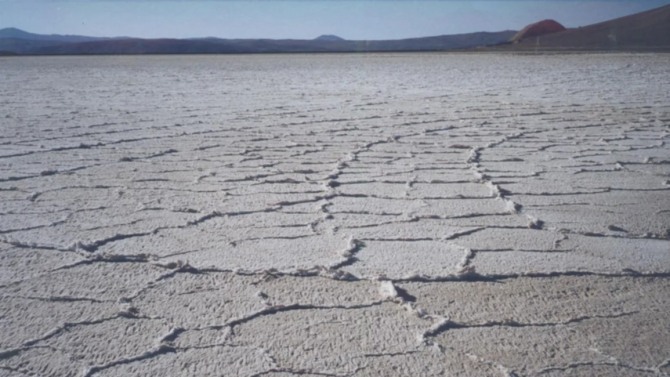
point(335, 215)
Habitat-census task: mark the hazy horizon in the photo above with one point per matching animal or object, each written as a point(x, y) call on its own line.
point(300, 19)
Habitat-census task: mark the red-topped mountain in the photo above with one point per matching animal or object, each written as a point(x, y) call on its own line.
point(645, 31)
point(537, 29)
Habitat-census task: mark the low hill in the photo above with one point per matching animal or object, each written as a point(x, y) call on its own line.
point(328, 37)
point(438, 43)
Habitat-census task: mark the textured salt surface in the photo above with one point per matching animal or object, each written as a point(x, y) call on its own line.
point(349, 215)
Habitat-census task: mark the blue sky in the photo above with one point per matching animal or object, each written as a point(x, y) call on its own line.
point(305, 19)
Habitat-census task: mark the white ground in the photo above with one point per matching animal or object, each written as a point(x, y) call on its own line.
point(337, 215)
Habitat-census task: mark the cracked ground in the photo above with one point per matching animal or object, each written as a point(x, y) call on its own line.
point(335, 215)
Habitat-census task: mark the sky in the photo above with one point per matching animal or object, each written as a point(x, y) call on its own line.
point(301, 19)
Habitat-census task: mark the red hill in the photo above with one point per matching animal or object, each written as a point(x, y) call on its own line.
point(646, 31)
point(537, 29)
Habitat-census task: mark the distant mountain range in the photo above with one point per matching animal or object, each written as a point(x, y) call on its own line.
point(17, 41)
point(646, 31)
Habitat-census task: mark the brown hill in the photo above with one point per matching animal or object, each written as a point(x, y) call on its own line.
point(537, 29)
point(646, 31)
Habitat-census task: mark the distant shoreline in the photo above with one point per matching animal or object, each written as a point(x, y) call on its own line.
point(478, 51)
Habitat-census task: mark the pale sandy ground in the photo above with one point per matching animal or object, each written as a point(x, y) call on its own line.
point(335, 215)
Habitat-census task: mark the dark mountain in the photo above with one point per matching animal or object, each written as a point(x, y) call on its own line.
point(14, 33)
point(646, 31)
point(328, 37)
point(20, 42)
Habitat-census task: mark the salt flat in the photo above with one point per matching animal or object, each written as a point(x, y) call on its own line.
point(335, 215)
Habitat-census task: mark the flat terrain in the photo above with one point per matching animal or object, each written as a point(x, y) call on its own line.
point(335, 215)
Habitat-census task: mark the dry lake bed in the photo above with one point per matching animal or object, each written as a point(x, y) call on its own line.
point(335, 215)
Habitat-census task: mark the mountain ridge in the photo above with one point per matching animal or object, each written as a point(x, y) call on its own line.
point(644, 31)
point(210, 45)
point(15, 33)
